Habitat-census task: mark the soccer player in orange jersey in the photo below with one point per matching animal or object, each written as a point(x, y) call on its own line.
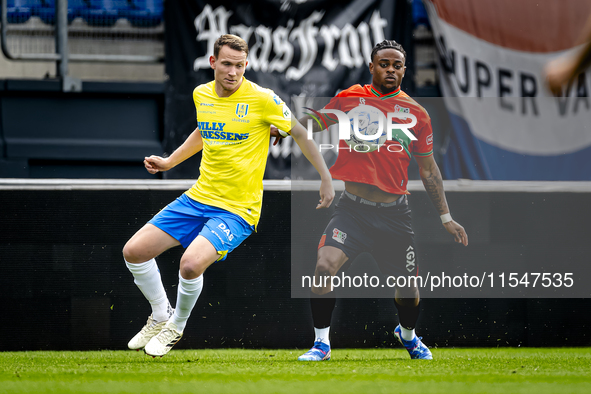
point(373, 214)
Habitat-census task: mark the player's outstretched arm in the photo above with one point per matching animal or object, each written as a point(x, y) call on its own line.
point(192, 145)
point(274, 132)
point(563, 70)
point(431, 177)
point(316, 127)
point(310, 150)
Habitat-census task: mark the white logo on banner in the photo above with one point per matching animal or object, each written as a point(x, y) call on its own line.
point(353, 44)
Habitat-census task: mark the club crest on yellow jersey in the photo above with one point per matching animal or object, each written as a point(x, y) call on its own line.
point(241, 110)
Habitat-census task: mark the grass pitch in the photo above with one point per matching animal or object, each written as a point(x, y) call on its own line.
point(501, 370)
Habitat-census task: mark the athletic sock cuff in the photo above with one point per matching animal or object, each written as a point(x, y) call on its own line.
point(141, 268)
point(190, 285)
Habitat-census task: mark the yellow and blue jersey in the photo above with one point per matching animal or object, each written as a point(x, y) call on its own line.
point(235, 132)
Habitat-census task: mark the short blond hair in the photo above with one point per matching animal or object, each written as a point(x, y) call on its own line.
point(231, 41)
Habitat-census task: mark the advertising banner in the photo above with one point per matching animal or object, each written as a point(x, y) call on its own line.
point(298, 48)
point(499, 49)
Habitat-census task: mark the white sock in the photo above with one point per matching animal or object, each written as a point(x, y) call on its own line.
point(406, 334)
point(322, 335)
point(187, 294)
point(147, 277)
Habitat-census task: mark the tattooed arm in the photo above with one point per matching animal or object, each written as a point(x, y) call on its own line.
point(431, 177)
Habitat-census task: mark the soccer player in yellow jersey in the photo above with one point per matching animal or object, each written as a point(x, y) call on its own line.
point(223, 207)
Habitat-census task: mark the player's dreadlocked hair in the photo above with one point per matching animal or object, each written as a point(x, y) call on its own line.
point(387, 44)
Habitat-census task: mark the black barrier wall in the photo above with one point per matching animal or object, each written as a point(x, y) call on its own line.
point(64, 285)
point(103, 131)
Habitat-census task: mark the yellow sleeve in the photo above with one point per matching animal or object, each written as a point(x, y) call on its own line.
point(196, 98)
point(278, 113)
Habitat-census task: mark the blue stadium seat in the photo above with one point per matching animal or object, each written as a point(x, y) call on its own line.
point(102, 12)
point(144, 13)
point(18, 11)
point(419, 14)
point(45, 9)
point(140, 13)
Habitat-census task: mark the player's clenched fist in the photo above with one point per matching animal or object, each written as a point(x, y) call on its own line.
point(156, 163)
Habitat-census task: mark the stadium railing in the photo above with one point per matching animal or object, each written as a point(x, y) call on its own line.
point(40, 30)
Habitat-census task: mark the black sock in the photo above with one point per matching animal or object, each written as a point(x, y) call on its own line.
point(408, 315)
point(322, 307)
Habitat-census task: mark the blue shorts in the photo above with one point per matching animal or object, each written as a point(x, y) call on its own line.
point(184, 219)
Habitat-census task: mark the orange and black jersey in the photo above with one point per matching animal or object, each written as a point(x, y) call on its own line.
point(386, 168)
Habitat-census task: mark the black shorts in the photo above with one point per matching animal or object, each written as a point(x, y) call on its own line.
point(384, 231)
